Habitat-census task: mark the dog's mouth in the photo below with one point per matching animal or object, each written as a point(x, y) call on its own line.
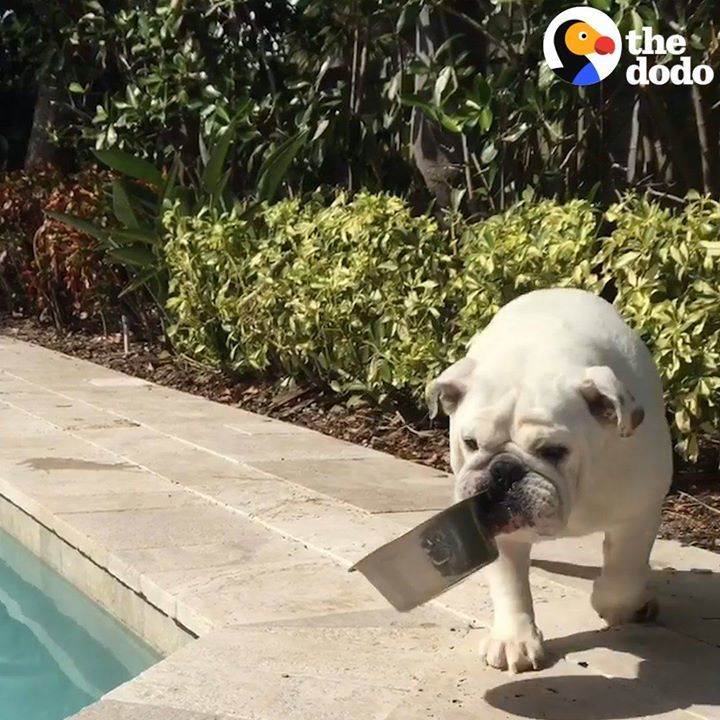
point(523, 499)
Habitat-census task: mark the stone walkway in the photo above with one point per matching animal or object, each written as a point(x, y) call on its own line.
point(240, 529)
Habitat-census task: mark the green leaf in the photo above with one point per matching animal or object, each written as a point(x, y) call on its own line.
point(446, 46)
point(626, 259)
point(129, 165)
point(481, 90)
point(139, 235)
point(712, 246)
point(516, 133)
point(122, 206)
point(412, 101)
point(212, 92)
point(83, 226)
point(321, 128)
point(488, 154)
point(276, 165)
point(143, 278)
point(76, 88)
point(486, 118)
point(169, 193)
point(202, 147)
point(214, 170)
point(408, 17)
point(136, 255)
point(440, 84)
point(451, 123)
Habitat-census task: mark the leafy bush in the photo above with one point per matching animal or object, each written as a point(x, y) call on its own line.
point(361, 294)
point(667, 283)
point(45, 266)
point(531, 246)
point(201, 253)
point(355, 294)
point(458, 88)
point(364, 296)
point(140, 195)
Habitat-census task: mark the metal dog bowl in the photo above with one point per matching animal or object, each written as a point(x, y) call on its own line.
point(431, 558)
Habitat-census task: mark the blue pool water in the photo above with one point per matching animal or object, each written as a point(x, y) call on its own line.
point(59, 651)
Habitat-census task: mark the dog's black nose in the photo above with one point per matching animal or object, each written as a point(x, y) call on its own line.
point(506, 470)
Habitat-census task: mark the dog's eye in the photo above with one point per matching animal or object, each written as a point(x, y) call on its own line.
point(471, 444)
point(553, 453)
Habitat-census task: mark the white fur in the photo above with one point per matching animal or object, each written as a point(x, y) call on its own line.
point(525, 381)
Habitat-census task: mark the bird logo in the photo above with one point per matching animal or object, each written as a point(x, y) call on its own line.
point(582, 46)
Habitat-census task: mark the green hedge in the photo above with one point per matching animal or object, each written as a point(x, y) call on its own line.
point(531, 246)
point(365, 296)
point(355, 294)
point(667, 279)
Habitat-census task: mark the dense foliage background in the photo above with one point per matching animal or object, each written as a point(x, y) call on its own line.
point(345, 191)
point(440, 100)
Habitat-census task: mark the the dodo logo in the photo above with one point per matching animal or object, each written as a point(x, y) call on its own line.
point(582, 45)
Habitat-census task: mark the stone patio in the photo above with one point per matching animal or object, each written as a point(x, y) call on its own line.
point(238, 530)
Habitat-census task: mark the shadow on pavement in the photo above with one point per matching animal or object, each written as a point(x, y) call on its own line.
point(676, 663)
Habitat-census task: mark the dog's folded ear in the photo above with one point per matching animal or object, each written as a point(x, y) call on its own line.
point(610, 401)
point(449, 387)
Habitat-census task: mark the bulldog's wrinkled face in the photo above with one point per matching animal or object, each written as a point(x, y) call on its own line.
point(527, 447)
point(525, 456)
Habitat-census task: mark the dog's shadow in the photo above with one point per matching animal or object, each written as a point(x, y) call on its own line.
point(677, 667)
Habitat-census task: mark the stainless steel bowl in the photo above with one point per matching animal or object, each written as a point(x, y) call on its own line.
point(431, 558)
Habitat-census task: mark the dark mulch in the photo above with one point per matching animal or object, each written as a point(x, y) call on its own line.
point(691, 513)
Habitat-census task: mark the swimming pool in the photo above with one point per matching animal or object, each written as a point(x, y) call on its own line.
point(59, 651)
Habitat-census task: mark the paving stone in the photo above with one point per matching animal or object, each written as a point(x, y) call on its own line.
point(656, 660)
point(424, 617)
point(140, 442)
point(407, 520)
point(226, 430)
point(64, 412)
point(686, 580)
point(332, 526)
point(149, 569)
point(292, 672)
point(249, 543)
point(222, 691)
point(59, 476)
point(117, 501)
point(377, 483)
point(14, 384)
point(52, 495)
point(471, 598)
point(112, 710)
point(156, 453)
point(300, 585)
point(20, 427)
point(337, 528)
point(245, 580)
point(463, 689)
point(163, 527)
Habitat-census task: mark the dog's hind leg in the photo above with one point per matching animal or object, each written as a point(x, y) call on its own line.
point(621, 594)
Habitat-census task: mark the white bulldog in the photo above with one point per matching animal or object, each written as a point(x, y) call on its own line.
point(557, 410)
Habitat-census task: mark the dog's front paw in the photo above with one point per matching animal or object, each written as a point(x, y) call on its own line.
point(516, 646)
point(618, 603)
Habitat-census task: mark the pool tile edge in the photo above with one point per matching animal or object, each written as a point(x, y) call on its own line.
point(159, 629)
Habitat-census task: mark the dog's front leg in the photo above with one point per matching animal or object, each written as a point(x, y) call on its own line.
point(514, 643)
